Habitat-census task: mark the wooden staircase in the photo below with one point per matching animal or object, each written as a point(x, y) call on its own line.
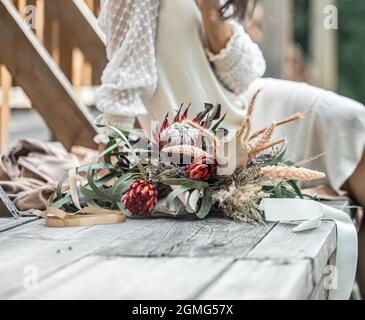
point(29, 57)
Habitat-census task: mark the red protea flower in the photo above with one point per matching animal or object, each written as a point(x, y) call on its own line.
point(141, 197)
point(157, 131)
point(203, 168)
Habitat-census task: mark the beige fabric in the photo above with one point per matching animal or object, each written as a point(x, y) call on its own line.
point(30, 171)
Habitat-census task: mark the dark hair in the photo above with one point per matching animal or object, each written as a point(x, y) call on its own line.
point(239, 9)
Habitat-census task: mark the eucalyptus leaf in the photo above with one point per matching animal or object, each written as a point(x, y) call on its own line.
point(98, 191)
point(192, 184)
point(296, 188)
point(60, 185)
point(130, 147)
point(206, 205)
point(174, 194)
point(278, 159)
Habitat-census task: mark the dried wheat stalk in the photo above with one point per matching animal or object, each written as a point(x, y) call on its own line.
point(263, 139)
point(258, 150)
point(252, 103)
point(294, 117)
point(291, 173)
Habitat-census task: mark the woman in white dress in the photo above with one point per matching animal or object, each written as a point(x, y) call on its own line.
point(166, 52)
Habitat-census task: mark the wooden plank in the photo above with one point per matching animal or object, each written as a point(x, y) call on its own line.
point(6, 81)
point(47, 249)
point(51, 36)
point(130, 278)
point(81, 27)
point(42, 81)
point(50, 249)
point(263, 280)
point(170, 237)
point(321, 291)
point(66, 53)
point(11, 223)
point(288, 267)
point(283, 244)
point(19, 100)
point(7, 207)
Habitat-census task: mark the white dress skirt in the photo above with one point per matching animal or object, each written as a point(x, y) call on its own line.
point(334, 126)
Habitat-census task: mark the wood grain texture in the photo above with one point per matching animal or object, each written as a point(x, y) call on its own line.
point(6, 82)
point(192, 238)
point(263, 280)
point(165, 258)
point(42, 80)
point(321, 291)
point(284, 244)
point(7, 207)
point(10, 223)
point(46, 249)
point(130, 278)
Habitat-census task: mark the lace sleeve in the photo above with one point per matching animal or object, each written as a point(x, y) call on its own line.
point(240, 62)
point(131, 74)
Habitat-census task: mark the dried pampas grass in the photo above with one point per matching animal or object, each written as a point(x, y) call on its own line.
point(239, 201)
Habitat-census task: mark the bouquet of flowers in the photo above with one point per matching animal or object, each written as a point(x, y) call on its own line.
point(191, 166)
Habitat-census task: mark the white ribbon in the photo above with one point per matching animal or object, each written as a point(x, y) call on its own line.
point(312, 213)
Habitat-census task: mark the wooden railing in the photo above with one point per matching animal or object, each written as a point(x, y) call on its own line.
point(70, 34)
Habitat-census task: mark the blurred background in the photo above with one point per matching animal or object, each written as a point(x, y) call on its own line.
point(52, 55)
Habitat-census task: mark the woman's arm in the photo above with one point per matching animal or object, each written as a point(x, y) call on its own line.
point(237, 60)
point(130, 29)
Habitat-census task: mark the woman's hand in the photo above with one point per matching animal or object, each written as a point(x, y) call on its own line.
point(217, 30)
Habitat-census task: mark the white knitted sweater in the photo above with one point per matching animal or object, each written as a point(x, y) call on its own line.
point(131, 74)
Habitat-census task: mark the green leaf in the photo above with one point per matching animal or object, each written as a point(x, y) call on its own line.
point(296, 188)
point(192, 184)
point(127, 143)
point(61, 202)
point(174, 194)
point(216, 126)
point(91, 203)
point(121, 187)
point(278, 159)
point(60, 185)
point(278, 192)
point(206, 205)
point(103, 180)
point(109, 148)
point(98, 191)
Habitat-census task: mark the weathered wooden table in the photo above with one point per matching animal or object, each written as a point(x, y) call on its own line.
point(163, 259)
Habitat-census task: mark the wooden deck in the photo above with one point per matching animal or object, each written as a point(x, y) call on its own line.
point(163, 259)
